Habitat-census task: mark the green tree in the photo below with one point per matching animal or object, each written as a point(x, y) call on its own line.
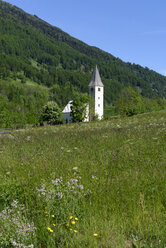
point(129, 103)
point(79, 107)
point(51, 113)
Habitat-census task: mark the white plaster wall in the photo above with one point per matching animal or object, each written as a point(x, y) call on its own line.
point(68, 119)
point(87, 114)
point(99, 101)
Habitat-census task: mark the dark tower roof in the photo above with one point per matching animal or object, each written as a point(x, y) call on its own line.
point(96, 80)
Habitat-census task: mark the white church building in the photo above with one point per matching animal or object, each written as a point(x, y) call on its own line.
point(96, 91)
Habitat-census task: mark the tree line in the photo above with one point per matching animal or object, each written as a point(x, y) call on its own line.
point(48, 56)
point(32, 53)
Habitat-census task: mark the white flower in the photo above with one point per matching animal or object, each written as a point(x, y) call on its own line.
point(60, 195)
point(81, 187)
point(28, 138)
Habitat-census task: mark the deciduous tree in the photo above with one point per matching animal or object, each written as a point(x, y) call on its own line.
point(51, 113)
point(79, 107)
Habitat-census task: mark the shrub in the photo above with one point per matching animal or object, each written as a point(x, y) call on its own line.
point(51, 113)
point(130, 102)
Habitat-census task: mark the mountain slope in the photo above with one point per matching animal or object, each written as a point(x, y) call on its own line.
point(31, 49)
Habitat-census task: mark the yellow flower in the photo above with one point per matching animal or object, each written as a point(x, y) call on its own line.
point(95, 234)
point(75, 231)
point(70, 229)
point(46, 212)
point(53, 224)
point(71, 217)
point(76, 218)
point(73, 222)
point(67, 225)
point(52, 215)
point(49, 229)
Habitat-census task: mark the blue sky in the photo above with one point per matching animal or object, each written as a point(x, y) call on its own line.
point(133, 30)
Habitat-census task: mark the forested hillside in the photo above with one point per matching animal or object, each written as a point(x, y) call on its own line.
point(34, 52)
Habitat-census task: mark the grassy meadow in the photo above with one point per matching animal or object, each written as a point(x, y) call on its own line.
point(99, 184)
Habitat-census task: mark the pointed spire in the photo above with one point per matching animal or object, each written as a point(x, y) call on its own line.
point(96, 80)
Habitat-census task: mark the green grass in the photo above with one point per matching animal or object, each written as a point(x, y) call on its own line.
point(121, 165)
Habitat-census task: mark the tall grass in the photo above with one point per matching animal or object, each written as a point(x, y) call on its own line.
point(109, 174)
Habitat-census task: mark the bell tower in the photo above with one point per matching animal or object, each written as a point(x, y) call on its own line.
point(96, 91)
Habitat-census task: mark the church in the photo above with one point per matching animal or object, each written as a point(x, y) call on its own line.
point(96, 91)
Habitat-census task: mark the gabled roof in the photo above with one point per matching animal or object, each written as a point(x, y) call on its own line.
point(96, 80)
point(67, 109)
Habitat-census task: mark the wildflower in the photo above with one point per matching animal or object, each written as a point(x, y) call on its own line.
point(70, 229)
point(68, 184)
point(71, 217)
point(75, 231)
point(74, 181)
point(95, 234)
point(53, 224)
point(46, 212)
point(81, 187)
point(76, 218)
point(73, 222)
point(42, 191)
point(57, 181)
point(67, 225)
point(49, 229)
point(60, 195)
point(52, 215)
point(14, 203)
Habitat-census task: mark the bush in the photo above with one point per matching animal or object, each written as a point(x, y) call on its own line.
point(51, 113)
point(130, 102)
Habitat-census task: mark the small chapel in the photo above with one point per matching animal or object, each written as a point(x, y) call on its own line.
point(96, 91)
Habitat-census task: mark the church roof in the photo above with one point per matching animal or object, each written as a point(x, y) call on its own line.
point(67, 109)
point(96, 80)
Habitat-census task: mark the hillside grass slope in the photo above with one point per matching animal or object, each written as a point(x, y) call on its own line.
point(32, 49)
point(98, 184)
